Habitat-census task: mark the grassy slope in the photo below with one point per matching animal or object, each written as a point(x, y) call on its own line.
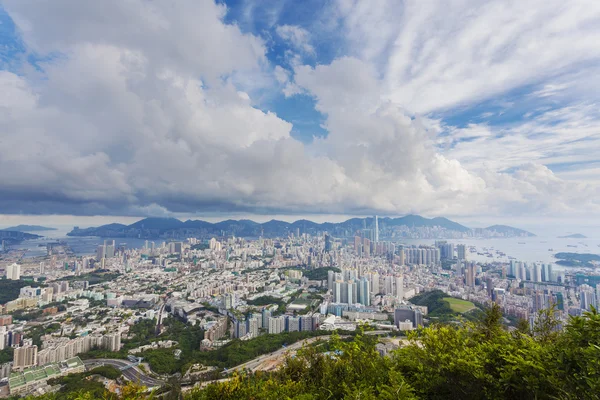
point(459, 305)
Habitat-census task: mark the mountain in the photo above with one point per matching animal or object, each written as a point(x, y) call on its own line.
point(159, 224)
point(110, 230)
point(418, 221)
point(573, 236)
point(509, 231)
point(13, 237)
point(29, 228)
point(154, 228)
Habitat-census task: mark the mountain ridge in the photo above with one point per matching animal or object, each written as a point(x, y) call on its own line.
point(505, 229)
point(171, 227)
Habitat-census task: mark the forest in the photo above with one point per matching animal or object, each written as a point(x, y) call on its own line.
point(479, 359)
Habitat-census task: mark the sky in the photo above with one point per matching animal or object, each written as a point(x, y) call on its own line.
point(479, 111)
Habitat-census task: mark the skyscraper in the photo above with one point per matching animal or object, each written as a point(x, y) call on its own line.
point(399, 287)
point(327, 243)
point(24, 357)
point(364, 295)
point(376, 228)
point(461, 251)
point(13, 272)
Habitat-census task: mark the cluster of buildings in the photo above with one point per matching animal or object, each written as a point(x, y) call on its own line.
point(240, 288)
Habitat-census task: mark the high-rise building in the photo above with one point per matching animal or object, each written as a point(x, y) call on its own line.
point(266, 314)
point(364, 295)
point(327, 243)
point(100, 252)
point(376, 229)
point(13, 272)
point(357, 244)
point(330, 278)
point(471, 273)
point(366, 247)
point(24, 357)
point(461, 252)
point(537, 273)
point(408, 313)
point(293, 324)
point(399, 287)
point(253, 325)
point(375, 283)
point(276, 324)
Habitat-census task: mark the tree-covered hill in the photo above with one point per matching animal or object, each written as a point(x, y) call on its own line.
point(475, 360)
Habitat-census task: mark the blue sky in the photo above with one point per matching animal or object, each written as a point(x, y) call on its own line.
point(486, 109)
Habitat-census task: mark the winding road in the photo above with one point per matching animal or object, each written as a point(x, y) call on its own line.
point(134, 374)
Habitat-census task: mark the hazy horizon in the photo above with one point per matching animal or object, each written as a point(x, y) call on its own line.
point(67, 222)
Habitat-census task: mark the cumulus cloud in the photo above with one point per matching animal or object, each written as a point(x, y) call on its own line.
point(297, 36)
point(148, 108)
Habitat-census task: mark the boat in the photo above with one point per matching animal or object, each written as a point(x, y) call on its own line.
point(522, 243)
point(550, 249)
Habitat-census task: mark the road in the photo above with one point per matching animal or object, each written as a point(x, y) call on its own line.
point(253, 364)
point(134, 374)
point(159, 318)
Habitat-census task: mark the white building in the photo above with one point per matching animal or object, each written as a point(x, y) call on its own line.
point(13, 272)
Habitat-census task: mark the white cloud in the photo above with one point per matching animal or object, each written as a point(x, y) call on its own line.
point(150, 110)
point(434, 55)
point(297, 36)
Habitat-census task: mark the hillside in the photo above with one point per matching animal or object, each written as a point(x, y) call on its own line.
point(509, 231)
point(468, 361)
point(152, 228)
point(29, 228)
point(573, 236)
point(16, 236)
point(577, 259)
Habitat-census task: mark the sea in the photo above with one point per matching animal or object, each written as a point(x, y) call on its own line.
point(527, 249)
point(81, 246)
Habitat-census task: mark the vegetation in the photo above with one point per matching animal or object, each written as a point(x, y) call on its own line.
point(200, 246)
point(319, 274)
point(107, 371)
point(265, 300)
point(459, 305)
point(6, 355)
point(577, 259)
point(472, 360)
point(98, 276)
point(26, 315)
point(37, 332)
point(478, 360)
point(9, 289)
point(439, 306)
point(234, 353)
point(143, 333)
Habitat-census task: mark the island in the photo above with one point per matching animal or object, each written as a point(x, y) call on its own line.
point(14, 237)
point(577, 259)
point(29, 228)
point(573, 236)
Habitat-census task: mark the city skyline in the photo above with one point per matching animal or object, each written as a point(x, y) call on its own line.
point(323, 108)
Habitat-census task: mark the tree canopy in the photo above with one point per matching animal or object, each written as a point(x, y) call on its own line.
point(472, 360)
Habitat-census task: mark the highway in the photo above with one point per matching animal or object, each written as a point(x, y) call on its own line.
point(255, 363)
point(252, 365)
point(134, 374)
point(159, 318)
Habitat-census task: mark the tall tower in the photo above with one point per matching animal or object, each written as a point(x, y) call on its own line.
point(376, 228)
